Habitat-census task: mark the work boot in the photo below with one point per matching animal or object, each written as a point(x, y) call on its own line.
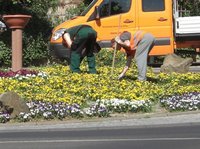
point(91, 64)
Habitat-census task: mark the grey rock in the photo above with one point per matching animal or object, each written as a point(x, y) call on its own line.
point(175, 63)
point(11, 103)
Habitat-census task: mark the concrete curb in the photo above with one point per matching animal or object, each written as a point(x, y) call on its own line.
point(125, 120)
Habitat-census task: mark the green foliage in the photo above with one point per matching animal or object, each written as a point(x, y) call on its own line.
point(192, 7)
point(69, 13)
point(37, 32)
point(185, 52)
point(26, 6)
point(105, 58)
point(14, 6)
point(5, 55)
point(35, 51)
point(87, 2)
point(73, 11)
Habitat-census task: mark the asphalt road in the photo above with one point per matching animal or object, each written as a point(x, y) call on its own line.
point(172, 136)
point(135, 131)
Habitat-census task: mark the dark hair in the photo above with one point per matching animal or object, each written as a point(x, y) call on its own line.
point(125, 36)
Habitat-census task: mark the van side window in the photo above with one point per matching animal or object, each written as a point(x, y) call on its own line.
point(153, 5)
point(113, 7)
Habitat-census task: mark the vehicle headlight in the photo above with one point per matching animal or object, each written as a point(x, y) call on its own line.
point(57, 34)
point(2, 27)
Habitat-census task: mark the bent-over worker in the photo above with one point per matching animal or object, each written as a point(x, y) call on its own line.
point(138, 46)
point(81, 40)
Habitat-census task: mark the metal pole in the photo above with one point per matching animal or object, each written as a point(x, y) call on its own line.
point(114, 54)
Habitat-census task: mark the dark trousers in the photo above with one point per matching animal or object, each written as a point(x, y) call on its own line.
point(83, 46)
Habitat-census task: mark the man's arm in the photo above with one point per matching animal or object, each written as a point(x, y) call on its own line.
point(123, 72)
point(128, 64)
point(67, 39)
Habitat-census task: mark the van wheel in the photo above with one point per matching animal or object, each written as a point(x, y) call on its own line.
point(155, 61)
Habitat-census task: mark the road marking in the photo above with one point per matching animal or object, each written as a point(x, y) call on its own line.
point(99, 140)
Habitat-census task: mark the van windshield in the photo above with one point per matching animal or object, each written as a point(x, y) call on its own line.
point(88, 8)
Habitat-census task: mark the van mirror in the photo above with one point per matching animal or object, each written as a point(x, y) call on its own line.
point(2, 27)
point(97, 13)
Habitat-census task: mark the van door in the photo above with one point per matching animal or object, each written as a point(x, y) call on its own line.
point(116, 16)
point(155, 16)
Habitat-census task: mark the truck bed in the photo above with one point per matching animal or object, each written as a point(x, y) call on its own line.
point(187, 25)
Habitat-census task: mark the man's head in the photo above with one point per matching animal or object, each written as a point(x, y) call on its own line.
point(125, 36)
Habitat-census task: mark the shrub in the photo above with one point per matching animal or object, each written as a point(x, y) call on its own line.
point(37, 32)
point(35, 51)
point(70, 12)
point(105, 58)
point(5, 55)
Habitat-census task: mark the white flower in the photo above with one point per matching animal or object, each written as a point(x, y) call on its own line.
point(28, 75)
point(17, 75)
point(25, 116)
point(33, 75)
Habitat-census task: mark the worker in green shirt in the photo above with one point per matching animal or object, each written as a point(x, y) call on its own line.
point(81, 40)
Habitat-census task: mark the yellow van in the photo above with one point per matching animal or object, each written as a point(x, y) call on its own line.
point(111, 17)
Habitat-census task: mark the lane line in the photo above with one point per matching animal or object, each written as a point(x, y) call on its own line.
point(100, 140)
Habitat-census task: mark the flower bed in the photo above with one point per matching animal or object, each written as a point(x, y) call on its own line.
point(20, 73)
point(56, 84)
point(61, 110)
point(184, 102)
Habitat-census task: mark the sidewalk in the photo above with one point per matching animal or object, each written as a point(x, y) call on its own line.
point(191, 69)
point(119, 120)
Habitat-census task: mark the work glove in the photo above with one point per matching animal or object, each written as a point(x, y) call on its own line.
point(120, 76)
point(117, 39)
